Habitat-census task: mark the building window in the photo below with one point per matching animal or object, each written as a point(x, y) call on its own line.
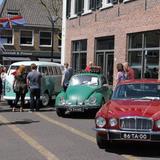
point(105, 56)
point(6, 37)
point(45, 38)
point(68, 9)
point(26, 38)
point(79, 7)
point(59, 39)
point(87, 7)
point(73, 9)
point(106, 43)
point(143, 53)
point(106, 4)
point(98, 4)
point(12, 13)
point(79, 55)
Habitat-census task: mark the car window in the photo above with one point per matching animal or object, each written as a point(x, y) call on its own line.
point(103, 80)
point(137, 91)
point(84, 80)
point(14, 68)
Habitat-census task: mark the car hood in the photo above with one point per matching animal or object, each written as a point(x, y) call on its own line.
point(146, 108)
point(79, 93)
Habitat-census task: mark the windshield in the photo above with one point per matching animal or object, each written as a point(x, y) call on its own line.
point(137, 91)
point(84, 80)
point(13, 69)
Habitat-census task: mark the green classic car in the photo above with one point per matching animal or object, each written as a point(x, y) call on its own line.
point(86, 91)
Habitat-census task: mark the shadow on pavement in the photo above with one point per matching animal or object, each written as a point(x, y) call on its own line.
point(80, 115)
point(138, 149)
point(25, 121)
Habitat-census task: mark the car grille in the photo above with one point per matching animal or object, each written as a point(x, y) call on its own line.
point(136, 123)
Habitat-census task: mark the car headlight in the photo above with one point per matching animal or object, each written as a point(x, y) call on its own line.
point(92, 100)
point(100, 122)
point(113, 122)
point(62, 100)
point(158, 123)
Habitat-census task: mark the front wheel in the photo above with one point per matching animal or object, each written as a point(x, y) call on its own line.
point(60, 112)
point(45, 100)
point(102, 143)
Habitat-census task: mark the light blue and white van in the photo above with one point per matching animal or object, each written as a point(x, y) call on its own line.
point(50, 83)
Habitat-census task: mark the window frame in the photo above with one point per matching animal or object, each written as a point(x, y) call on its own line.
point(86, 7)
point(32, 44)
point(106, 4)
point(12, 37)
point(43, 45)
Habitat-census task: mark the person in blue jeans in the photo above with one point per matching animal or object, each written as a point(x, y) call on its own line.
point(34, 85)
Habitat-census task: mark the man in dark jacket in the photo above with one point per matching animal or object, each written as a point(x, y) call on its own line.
point(34, 84)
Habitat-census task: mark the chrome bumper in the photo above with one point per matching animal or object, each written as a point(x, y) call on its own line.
point(77, 108)
point(112, 134)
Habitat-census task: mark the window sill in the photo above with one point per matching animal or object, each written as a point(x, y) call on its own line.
point(125, 1)
point(73, 16)
point(26, 45)
point(8, 44)
point(86, 12)
point(45, 45)
point(109, 5)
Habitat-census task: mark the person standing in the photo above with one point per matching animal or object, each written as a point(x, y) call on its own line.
point(20, 87)
point(68, 72)
point(3, 77)
point(128, 71)
point(89, 66)
point(1, 86)
point(121, 73)
point(34, 84)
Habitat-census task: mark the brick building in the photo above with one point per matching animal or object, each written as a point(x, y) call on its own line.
point(33, 40)
point(108, 32)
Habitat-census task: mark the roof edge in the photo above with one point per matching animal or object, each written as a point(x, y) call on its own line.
point(2, 7)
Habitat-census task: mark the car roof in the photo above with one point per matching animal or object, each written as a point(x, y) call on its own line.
point(134, 81)
point(28, 63)
point(89, 73)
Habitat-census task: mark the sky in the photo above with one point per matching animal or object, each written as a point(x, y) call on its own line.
point(1, 1)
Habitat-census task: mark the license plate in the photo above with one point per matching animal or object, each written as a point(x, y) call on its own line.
point(135, 136)
point(76, 109)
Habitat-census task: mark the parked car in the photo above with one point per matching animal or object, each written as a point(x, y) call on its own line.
point(132, 114)
point(86, 91)
point(50, 82)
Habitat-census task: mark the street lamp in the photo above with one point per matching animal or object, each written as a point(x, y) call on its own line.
point(53, 20)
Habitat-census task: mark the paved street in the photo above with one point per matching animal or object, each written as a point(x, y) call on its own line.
point(44, 135)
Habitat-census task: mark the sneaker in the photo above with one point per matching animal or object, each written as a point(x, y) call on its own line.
point(21, 109)
point(13, 109)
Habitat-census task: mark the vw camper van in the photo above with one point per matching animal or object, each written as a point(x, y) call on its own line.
point(50, 82)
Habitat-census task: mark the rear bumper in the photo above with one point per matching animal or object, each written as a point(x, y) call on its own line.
point(110, 134)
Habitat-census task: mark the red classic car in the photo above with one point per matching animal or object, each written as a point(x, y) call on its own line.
point(132, 114)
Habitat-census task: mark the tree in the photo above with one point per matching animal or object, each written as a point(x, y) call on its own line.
point(54, 9)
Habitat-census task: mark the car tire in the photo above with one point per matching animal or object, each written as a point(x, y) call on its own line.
point(60, 112)
point(45, 99)
point(102, 143)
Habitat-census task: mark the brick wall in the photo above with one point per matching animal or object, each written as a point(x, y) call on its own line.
point(36, 46)
point(119, 20)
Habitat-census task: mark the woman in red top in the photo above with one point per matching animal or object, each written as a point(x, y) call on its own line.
point(129, 71)
point(88, 68)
